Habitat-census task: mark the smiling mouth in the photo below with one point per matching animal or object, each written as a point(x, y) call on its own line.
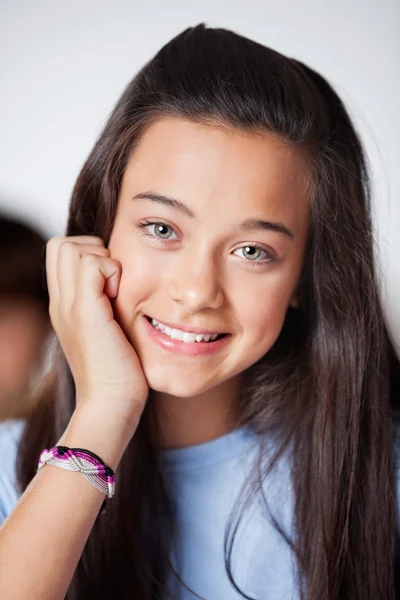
point(185, 336)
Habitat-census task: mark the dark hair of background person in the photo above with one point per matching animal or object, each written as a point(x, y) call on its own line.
point(330, 383)
point(24, 318)
point(22, 252)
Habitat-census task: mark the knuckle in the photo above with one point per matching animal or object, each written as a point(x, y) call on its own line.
point(66, 245)
point(97, 239)
point(110, 265)
point(92, 240)
point(89, 259)
point(101, 251)
point(53, 243)
point(116, 264)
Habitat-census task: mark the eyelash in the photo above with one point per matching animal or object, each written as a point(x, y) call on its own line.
point(253, 263)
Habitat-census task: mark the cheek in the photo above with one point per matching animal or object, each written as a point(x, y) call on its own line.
point(137, 283)
point(262, 315)
point(140, 276)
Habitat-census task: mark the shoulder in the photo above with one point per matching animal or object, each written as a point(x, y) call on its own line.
point(10, 435)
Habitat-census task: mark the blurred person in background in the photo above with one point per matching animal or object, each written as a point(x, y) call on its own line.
point(24, 320)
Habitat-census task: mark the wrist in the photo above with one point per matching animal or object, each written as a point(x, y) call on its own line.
point(104, 434)
point(121, 409)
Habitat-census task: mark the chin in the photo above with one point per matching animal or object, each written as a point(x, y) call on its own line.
point(180, 387)
point(179, 390)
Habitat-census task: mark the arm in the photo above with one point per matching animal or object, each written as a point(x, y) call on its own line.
point(43, 538)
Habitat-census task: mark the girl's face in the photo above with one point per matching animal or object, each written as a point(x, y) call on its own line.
point(211, 230)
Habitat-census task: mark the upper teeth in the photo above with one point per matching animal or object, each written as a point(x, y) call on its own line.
point(184, 336)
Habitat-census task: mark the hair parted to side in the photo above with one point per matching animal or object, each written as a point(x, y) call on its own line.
point(327, 388)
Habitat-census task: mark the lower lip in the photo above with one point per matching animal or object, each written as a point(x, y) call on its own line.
point(195, 349)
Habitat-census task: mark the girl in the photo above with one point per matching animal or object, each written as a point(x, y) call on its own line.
point(222, 348)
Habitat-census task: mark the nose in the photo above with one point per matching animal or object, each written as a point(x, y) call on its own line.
point(195, 283)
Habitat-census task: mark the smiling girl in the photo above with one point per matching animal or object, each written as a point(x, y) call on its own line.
point(223, 358)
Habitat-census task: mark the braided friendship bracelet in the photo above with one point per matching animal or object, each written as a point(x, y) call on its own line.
point(84, 461)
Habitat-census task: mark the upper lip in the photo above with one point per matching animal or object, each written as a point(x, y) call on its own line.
point(188, 329)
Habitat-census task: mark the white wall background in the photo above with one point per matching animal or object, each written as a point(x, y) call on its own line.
point(64, 63)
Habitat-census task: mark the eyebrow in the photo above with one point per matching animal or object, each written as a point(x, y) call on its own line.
point(258, 224)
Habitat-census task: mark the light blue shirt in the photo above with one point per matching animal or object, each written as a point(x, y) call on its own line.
point(10, 433)
point(206, 480)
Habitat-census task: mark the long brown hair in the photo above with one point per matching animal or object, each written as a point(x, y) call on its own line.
point(327, 388)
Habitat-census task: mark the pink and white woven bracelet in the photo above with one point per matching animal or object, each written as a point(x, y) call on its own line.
point(84, 461)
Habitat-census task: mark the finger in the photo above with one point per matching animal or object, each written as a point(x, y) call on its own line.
point(97, 277)
point(70, 254)
point(51, 268)
point(52, 248)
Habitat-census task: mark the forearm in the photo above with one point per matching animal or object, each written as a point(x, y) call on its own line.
point(43, 538)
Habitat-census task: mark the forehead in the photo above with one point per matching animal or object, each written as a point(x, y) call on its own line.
point(209, 166)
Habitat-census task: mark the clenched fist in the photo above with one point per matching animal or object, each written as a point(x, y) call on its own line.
point(82, 279)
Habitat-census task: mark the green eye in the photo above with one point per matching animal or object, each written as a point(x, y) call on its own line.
point(162, 231)
point(251, 252)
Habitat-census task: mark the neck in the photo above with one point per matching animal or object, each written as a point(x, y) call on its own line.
point(183, 422)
